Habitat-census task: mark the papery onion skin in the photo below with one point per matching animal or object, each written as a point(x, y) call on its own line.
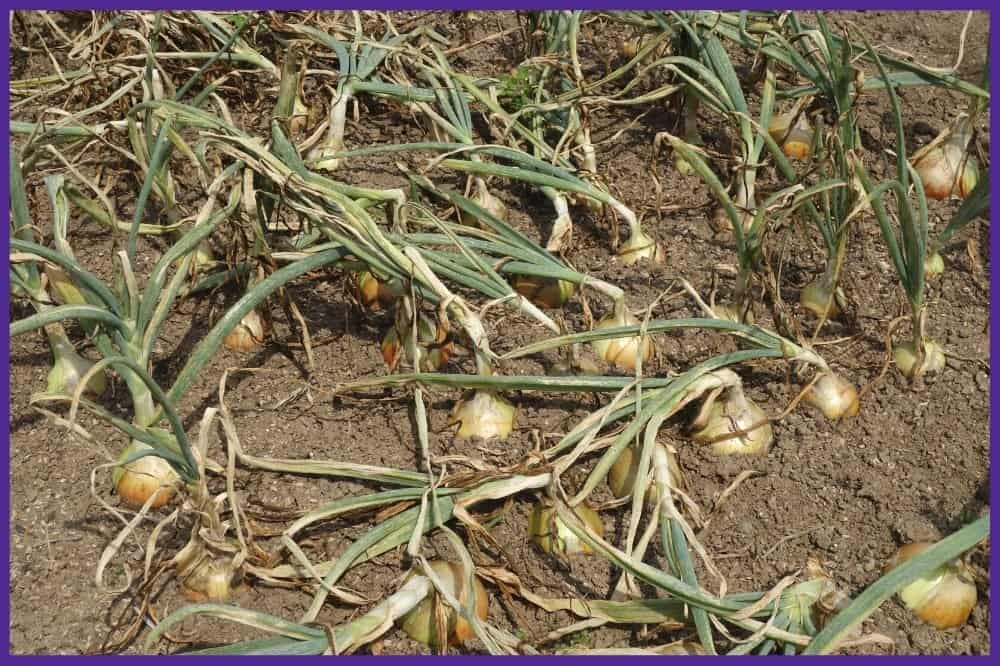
point(621, 477)
point(544, 292)
point(554, 537)
point(622, 352)
point(905, 356)
point(373, 293)
point(641, 246)
point(834, 396)
point(933, 265)
point(944, 597)
point(420, 623)
point(796, 142)
point(819, 300)
point(484, 415)
point(137, 481)
point(247, 335)
point(732, 415)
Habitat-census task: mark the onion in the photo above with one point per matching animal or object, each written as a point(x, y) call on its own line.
point(943, 597)
point(622, 352)
point(485, 415)
point(793, 133)
point(729, 417)
point(933, 264)
point(820, 299)
point(554, 537)
point(374, 293)
point(621, 478)
point(435, 349)
point(640, 246)
point(140, 479)
point(944, 166)
point(204, 577)
point(629, 48)
point(544, 292)
point(734, 312)
point(834, 396)
point(906, 358)
point(421, 623)
point(248, 334)
point(69, 367)
point(485, 200)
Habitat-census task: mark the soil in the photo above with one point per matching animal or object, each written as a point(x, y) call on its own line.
point(912, 466)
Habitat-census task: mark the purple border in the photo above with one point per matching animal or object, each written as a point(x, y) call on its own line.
point(500, 5)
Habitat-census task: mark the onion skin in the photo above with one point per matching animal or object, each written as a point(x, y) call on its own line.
point(621, 352)
point(373, 293)
point(729, 416)
point(933, 265)
point(544, 292)
point(434, 347)
point(420, 624)
point(248, 334)
point(563, 543)
point(485, 415)
point(796, 142)
point(639, 247)
point(905, 356)
point(485, 200)
point(819, 300)
point(621, 477)
point(944, 166)
point(944, 597)
point(834, 396)
point(137, 481)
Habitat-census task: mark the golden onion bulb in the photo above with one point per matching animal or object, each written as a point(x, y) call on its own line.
point(834, 396)
point(211, 580)
point(421, 623)
point(248, 334)
point(544, 292)
point(944, 165)
point(435, 349)
point(641, 246)
point(374, 293)
point(137, 481)
point(622, 352)
point(793, 133)
point(554, 537)
point(819, 299)
point(730, 417)
point(943, 597)
point(485, 415)
point(905, 355)
point(621, 477)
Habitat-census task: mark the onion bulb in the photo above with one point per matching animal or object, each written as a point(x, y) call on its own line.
point(629, 48)
point(61, 286)
point(793, 133)
point(621, 478)
point(933, 264)
point(731, 416)
point(483, 414)
point(248, 334)
point(485, 200)
point(69, 367)
point(906, 358)
point(554, 537)
point(622, 352)
point(734, 312)
point(374, 293)
point(435, 349)
point(137, 481)
point(820, 299)
point(944, 166)
point(943, 597)
point(544, 292)
point(421, 623)
point(834, 396)
point(204, 576)
point(641, 246)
